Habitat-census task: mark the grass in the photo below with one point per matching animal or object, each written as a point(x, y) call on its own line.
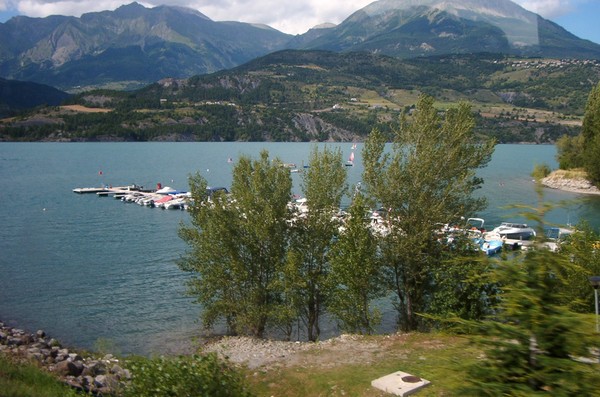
point(28, 380)
point(439, 358)
point(435, 357)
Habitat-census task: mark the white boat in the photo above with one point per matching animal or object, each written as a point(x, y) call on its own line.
point(514, 231)
point(166, 190)
point(350, 161)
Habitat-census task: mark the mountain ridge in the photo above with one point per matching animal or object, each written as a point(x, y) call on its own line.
point(133, 46)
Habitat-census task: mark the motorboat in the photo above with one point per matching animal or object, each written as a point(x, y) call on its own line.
point(515, 231)
point(491, 245)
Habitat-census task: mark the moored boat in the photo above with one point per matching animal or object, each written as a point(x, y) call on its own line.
point(515, 231)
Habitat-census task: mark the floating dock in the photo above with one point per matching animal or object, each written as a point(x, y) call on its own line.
point(107, 189)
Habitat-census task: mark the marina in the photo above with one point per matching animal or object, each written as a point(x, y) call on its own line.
point(508, 236)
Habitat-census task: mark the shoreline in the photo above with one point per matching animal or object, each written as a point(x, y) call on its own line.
point(76, 368)
point(570, 181)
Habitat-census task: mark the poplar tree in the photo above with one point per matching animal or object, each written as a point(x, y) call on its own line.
point(238, 246)
point(324, 185)
point(355, 278)
point(591, 136)
point(427, 178)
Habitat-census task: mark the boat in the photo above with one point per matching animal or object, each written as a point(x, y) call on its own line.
point(350, 161)
point(160, 203)
point(514, 231)
point(166, 190)
point(491, 244)
point(476, 224)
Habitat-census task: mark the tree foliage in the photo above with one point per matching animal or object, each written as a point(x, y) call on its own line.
point(355, 279)
point(582, 249)
point(238, 247)
point(570, 152)
point(428, 177)
point(533, 341)
point(591, 135)
point(324, 185)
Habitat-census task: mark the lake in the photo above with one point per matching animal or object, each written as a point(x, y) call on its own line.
point(91, 270)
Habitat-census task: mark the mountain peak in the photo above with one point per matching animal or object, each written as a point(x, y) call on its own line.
point(519, 25)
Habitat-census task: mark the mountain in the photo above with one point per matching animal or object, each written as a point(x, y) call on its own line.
point(132, 44)
point(410, 28)
point(19, 95)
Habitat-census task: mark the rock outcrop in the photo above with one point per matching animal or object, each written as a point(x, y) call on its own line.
point(571, 181)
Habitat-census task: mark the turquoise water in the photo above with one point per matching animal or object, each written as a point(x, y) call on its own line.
point(85, 268)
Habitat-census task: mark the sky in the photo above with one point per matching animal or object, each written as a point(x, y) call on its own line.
point(579, 17)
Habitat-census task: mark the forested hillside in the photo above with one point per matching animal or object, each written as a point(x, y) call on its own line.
point(324, 96)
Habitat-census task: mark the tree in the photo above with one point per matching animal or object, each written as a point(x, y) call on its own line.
point(581, 247)
point(239, 246)
point(426, 179)
point(324, 185)
point(532, 342)
point(570, 152)
point(355, 277)
point(591, 135)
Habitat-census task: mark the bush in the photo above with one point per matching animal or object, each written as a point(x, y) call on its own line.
point(184, 376)
point(541, 171)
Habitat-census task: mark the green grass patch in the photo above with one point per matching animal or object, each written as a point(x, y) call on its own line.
point(28, 380)
point(439, 358)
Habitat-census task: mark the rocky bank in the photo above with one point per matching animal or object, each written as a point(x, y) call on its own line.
point(570, 181)
point(99, 376)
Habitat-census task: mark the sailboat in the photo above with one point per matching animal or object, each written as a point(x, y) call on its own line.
point(350, 161)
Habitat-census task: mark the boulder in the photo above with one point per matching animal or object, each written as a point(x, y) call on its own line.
point(95, 368)
point(66, 368)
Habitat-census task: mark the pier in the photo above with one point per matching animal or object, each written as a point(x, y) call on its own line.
point(106, 189)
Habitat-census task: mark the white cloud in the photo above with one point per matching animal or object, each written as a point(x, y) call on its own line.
point(548, 8)
point(39, 8)
point(290, 16)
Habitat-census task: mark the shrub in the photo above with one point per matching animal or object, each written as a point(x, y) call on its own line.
point(195, 375)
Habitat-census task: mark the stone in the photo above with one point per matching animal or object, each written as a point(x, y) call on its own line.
point(75, 383)
point(79, 365)
point(75, 357)
point(95, 368)
point(100, 381)
point(14, 341)
point(87, 380)
point(66, 368)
